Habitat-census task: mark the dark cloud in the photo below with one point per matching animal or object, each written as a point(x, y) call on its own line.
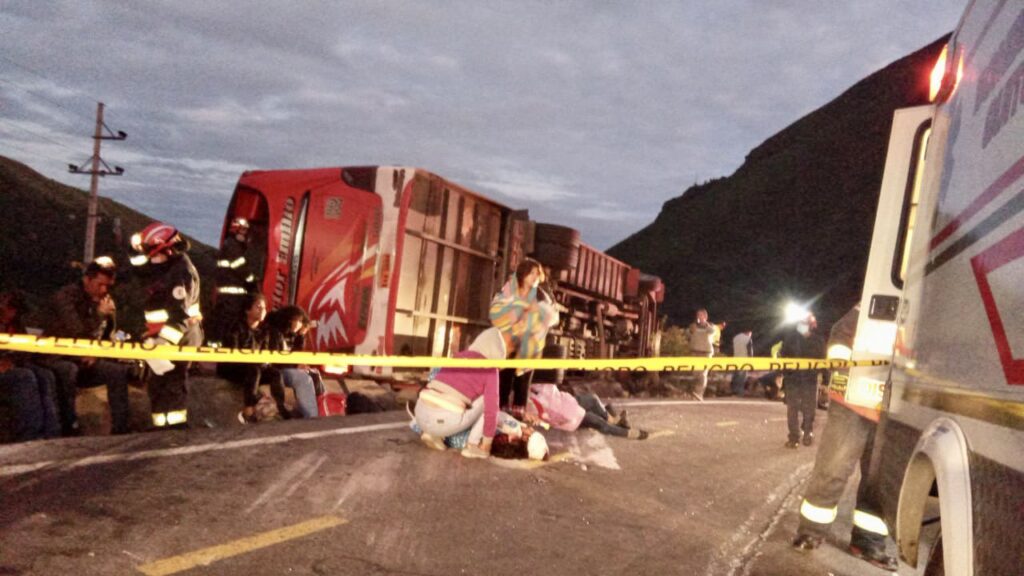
point(587, 113)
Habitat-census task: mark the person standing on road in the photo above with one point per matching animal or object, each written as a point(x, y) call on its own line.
point(742, 347)
point(234, 281)
point(701, 335)
point(801, 386)
point(523, 311)
point(846, 444)
point(172, 317)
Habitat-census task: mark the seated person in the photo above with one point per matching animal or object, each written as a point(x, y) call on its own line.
point(30, 388)
point(85, 309)
point(458, 399)
point(287, 328)
point(247, 332)
point(567, 412)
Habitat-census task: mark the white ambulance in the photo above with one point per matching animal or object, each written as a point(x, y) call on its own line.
point(944, 297)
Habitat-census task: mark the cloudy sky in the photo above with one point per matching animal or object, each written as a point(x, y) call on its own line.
point(590, 114)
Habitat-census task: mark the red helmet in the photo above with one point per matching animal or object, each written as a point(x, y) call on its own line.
point(155, 238)
point(238, 225)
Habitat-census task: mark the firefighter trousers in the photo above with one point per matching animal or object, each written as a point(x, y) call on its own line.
point(846, 444)
point(169, 392)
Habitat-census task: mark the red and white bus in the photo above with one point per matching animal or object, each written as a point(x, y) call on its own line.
point(399, 261)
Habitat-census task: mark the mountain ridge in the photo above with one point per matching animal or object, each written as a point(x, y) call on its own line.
point(793, 222)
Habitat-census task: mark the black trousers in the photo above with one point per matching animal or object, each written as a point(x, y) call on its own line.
point(801, 399)
point(513, 391)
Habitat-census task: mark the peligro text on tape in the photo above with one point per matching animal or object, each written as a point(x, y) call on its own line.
point(132, 350)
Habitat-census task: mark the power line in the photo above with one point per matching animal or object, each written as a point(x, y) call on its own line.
point(37, 134)
point(34, 93)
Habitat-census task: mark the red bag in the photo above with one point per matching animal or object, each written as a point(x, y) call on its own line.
point(331, 404)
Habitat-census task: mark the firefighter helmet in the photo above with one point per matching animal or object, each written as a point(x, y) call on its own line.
point(238, 225)
point(155, 238)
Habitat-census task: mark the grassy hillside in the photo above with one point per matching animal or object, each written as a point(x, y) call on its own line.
point(42, 232)
point(794, 221)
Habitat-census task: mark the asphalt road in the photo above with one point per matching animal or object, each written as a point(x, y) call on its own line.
point(713, 491)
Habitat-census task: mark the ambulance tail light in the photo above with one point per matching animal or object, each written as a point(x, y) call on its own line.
point(943, 84)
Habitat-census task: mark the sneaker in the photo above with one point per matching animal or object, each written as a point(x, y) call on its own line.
point(808, 439)
point(792, 444)
point(623, 419)
point(243, 419)
point(875, 556)
point(637, 434)
point(806, 542)
point(433, 442)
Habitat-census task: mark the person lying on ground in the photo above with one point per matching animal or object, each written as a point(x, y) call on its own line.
point(570, 413)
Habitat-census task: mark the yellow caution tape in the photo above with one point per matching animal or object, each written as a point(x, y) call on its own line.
point(142, 351)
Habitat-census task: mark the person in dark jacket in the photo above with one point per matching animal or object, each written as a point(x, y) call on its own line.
point(801, 386)
point(234, 280)
point(288, 327)
point(172, 315)
point(86, 309)
point(248, 332)
point(27, 386)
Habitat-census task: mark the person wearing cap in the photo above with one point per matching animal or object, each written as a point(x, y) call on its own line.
point(234, 280)
point(85, 309)
point(172, 316)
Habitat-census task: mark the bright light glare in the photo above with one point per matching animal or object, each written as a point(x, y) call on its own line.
point(938, 71)
point(794, 312)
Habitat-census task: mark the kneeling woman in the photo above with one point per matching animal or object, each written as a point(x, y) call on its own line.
point(457, 399)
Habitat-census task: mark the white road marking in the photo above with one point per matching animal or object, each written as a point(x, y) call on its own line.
point(18, 469)
point(289, 478)
point(694, 403)
point(735, 554)
point(376, 476)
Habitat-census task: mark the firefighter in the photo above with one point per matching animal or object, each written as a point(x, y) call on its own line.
point(846, 443)
point(234, 280)
point(172, 317)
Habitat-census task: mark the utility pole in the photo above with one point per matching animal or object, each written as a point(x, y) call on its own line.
point(98, 136)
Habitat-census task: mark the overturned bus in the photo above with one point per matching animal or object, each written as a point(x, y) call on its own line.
point(399, 261)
